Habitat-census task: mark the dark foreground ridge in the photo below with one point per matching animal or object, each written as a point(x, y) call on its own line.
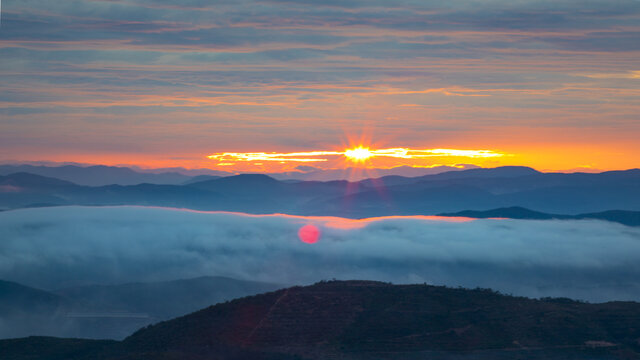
point(370, 320)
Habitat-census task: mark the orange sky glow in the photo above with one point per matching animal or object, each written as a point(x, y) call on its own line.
point(360, 155)
point(372, 85)
point(543, 157)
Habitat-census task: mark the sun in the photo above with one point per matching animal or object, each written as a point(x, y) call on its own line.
point(358, 154)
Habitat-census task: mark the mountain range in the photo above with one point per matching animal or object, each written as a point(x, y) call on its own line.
point(630, 218)
point(101, 175)
point(369, 320)
point(97, 175)
point(448, 192)
point(111, 311)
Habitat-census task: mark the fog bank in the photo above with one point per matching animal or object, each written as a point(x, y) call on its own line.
point(56, 247)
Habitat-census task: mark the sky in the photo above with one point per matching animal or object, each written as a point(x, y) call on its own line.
point(158, 83)
point(53, 248)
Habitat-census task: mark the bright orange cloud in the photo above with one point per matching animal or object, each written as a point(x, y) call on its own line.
point(356, 155)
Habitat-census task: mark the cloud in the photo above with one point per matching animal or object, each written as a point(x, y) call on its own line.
point(306, 168)
point(57, 247)
point(627, 75)
point(304, 66)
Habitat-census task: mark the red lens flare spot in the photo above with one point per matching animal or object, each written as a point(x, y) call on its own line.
point(309, 234)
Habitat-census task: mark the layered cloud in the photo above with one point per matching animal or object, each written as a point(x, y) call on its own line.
point(82, 79)
point(57, 247)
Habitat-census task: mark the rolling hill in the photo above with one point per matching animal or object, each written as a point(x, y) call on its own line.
point(111, 311)
point(97, 175)
point(371, 320)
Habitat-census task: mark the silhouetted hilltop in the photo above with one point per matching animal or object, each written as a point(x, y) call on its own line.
point(111, 311)
point(479, 173)
point(97, 175)
point(498, 172)
point(23, 308)
point(16, 298)
point(514, 212)
point(200, 178)
point(240, 184)
point(32, 180)
point(166, 299)
point(630, 218)
point(372, 320)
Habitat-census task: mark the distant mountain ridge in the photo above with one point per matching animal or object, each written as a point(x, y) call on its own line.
point(111, 311)
point(479, 173)
point(356, 174)
point(16, 297)
point(97, 175)
point(101, 175)
point(631, 218)
point(481, 189)
point(370, 320)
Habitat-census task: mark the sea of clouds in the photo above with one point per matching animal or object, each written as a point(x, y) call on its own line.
point(52, 248)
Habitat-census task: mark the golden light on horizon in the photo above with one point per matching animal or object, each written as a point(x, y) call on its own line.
point(358, 154)
point(542, 157)
point(309, 156)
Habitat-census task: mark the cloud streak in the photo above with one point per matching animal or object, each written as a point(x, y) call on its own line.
point(56, 247)
point(357, 154)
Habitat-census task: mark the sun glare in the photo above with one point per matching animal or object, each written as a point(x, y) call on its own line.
point(358, 154)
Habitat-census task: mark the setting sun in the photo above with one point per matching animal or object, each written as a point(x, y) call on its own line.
point(358, 154)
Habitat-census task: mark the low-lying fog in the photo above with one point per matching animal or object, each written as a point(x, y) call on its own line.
point(51, 248)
